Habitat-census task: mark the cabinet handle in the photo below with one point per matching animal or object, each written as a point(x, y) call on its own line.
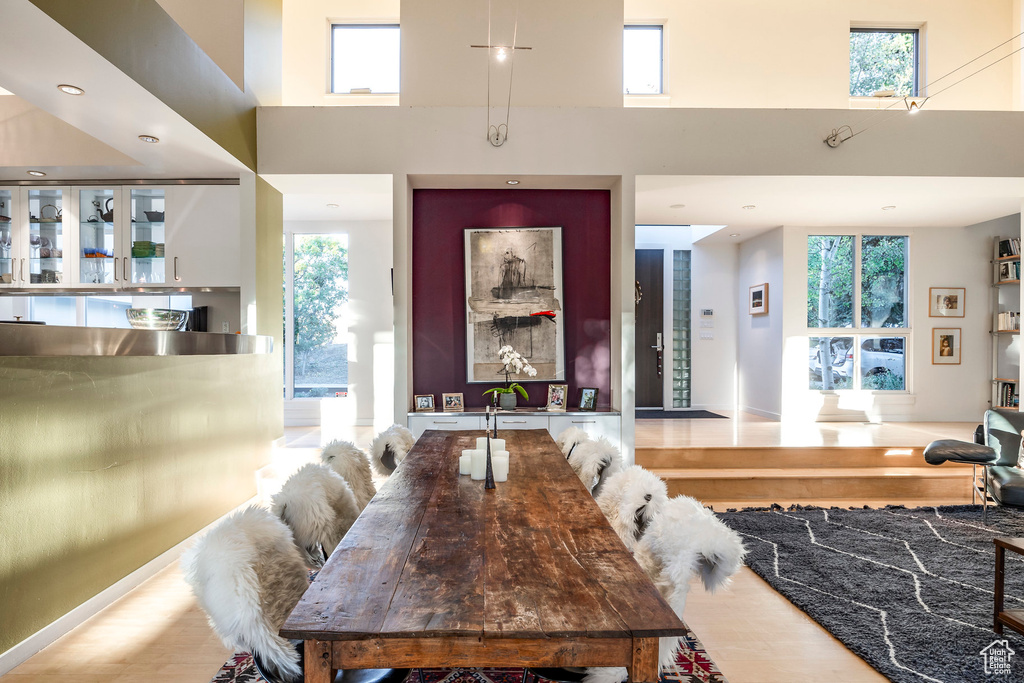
point(513, 422)
point(445, 422)
point(584, 422)
point(116, 278)
point(176, 278)
point(22, 270)
point(124, 269)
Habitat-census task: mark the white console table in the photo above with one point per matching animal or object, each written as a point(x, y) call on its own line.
point(597, 423)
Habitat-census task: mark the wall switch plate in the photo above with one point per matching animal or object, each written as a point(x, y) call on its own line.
point(707, 323)
point(224, 327)
point(707, 335)
point(707, 312)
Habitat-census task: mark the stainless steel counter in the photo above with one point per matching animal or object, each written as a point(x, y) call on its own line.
point(53, 340)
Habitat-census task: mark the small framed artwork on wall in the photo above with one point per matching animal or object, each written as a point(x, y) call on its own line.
point(946, 346)
point(946, 302)
point(758, 302)
point(424, 403)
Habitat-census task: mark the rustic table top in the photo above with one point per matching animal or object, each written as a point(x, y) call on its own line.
point(435, 555)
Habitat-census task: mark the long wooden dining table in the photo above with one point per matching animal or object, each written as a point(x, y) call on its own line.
point(439, 572)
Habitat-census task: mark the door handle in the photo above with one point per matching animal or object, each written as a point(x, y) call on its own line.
point(659, 348)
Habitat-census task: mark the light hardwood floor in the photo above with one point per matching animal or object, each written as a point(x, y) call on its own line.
point(158, 633)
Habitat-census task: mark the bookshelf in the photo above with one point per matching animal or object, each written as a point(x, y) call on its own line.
point(1006, 323)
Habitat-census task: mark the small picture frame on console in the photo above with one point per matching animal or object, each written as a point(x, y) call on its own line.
point(556, 397)
point(452, 403)
point(586, 399)
point(424, 403)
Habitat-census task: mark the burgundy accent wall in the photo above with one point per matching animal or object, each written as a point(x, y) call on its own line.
point(439, 284)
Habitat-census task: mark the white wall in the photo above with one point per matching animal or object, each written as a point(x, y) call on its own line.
point(371, 318)
point(939, 257)
point(795, 53)
point(759, 337)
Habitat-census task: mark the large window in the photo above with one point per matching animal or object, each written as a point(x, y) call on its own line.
point(365, 58)
point(883, 60)
point(642, 60)
point(316, 327)
point(857, 290)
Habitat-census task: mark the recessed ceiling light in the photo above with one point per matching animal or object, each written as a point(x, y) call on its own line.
point(512, 182)
point(888, 208)
point(734, 234)
point(150, 139)
point(332, 206)
point(749, 206)
point(38, 174)
point(677, 206)
point(70, 89)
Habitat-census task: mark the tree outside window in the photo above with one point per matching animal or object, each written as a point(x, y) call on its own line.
point(883, 59)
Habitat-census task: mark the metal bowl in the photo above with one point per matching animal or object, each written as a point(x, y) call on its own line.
point(154, 216)
point(156, 318)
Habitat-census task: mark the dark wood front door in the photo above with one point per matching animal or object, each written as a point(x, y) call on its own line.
point(649, 327)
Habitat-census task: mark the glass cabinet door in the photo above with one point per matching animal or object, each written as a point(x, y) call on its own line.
point(97, 209)
point(147, 237)
point(7, 274)
point(46, 236)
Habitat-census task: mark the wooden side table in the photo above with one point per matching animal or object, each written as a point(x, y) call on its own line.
point(1013, 618)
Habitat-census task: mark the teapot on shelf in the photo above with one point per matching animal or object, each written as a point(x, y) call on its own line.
point(56, 217)
point(108, 215)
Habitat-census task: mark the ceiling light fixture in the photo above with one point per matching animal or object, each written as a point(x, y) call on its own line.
point(38, 174)
point(512, 182)
point(734, 234)
point(888, 208)
point(332, 206)
point(749, 206)
point(70, 89)
point(497, 133)
point(677, 206)
point(150, 139)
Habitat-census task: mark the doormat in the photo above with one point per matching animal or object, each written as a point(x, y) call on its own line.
point(693, 665)
point(675, 414)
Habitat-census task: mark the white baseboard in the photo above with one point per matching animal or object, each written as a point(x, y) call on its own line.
point(762, 413)
point(51, 632)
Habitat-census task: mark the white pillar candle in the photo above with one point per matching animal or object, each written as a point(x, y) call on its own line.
point(496, 444)
point(465, 462)
point(478, 466)
point(499, 466)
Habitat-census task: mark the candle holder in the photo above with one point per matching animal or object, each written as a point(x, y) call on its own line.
point(489, 477)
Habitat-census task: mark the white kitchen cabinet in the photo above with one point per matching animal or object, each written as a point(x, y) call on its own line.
point(9, 243)
point(524, 421)
point(421, 422)
point(596, 424)
point(204, 235)
point(35, 240)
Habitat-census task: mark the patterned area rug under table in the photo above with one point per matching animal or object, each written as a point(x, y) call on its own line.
point(908, 590)
point(693, 665)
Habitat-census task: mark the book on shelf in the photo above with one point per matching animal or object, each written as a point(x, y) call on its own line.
point(1008, 320)
point(1007, 395)
point(1009, 271)
point(1009, 247)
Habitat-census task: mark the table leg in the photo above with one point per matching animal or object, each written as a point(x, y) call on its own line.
point(1000, 567)
point(318, 662)
point(644, 667)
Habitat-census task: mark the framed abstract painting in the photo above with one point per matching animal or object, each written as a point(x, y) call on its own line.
point(514, 298)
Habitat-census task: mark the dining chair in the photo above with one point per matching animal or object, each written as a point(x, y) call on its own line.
point(319, 507)
point(569, 439)
point(352, 464)
point(594, 462)
point(389, 449)
point(247, 575)
point(630, 499)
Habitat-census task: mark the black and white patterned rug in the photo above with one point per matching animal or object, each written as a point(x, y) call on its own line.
point(909, 590)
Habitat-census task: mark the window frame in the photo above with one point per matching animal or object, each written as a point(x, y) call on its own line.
point(857, 331)
point(916, 30)
point(662, 61)
point(332, 25)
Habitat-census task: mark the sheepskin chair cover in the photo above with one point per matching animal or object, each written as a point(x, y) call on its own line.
point(354, 467)
point(630, 499)
point(248, 576)
point(569, 439)
point(319, 507)
point(396, 438)
point(594, 462)
point(684, 539)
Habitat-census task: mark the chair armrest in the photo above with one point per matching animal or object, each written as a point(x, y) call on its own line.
point(952, 450)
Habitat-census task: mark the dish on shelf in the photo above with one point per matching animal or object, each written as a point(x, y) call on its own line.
point(154, 216)
point(156, 318)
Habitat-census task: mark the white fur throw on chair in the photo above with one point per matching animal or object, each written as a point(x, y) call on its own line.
point(594, 462)
point(354, 467)
point(319, 507)
point(248, 576)
point(684, 539)
point(630, 499)
point(569, 439)
point(390, 448)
